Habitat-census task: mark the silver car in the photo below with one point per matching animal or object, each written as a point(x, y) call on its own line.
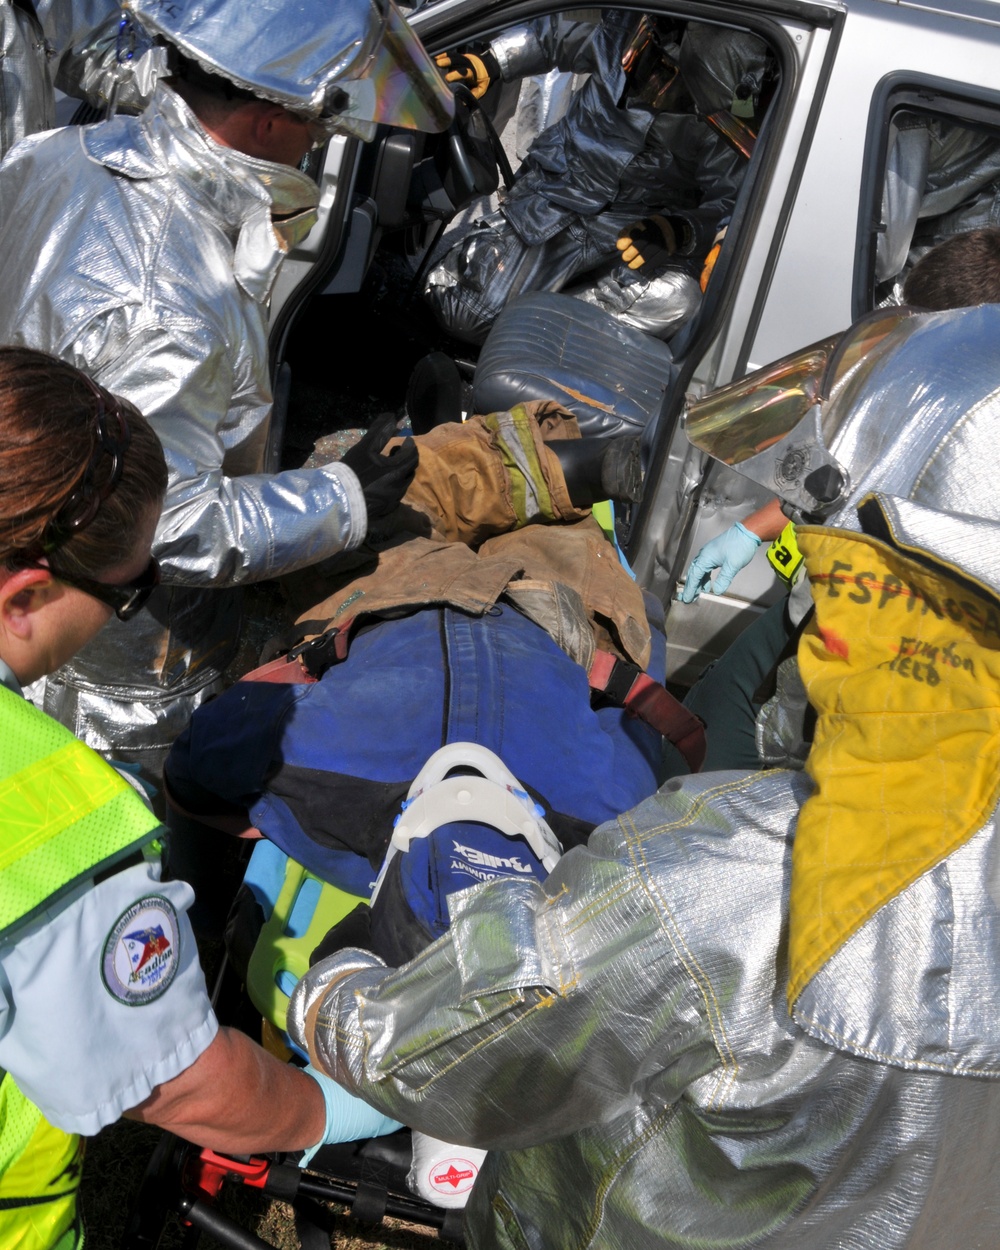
point(878, 135)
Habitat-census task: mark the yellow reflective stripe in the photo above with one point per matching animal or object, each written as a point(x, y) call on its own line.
point(515, 442)
point(63, 810)
point(604, 514)
point(76, 850)
point(18, 1120)
point(46, 797)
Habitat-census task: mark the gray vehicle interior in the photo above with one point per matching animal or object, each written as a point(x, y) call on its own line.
point(933, 170)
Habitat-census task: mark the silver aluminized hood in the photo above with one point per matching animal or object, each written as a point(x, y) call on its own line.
point(354, 60)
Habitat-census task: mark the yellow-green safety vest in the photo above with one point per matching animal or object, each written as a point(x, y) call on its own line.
point(64, 813)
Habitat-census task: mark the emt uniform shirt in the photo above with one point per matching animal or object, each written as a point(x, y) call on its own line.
point(102, 997)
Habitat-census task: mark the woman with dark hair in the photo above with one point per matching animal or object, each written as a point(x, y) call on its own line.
point(103, 1007)
point(79, 501)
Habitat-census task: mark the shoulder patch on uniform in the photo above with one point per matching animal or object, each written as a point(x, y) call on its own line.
point(142, 951)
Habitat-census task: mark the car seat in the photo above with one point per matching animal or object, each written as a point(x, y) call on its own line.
point(548, 345)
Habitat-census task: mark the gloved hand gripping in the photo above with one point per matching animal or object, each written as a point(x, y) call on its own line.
point(475, 70)
point(648, 243)
point(383, 479)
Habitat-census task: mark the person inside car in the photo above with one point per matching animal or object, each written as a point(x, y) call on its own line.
point(145, 249)
point(635, 178)
point(103, 1005)
point(759, 1009)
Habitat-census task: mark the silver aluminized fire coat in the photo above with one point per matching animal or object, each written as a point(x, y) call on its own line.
point(72, 45)
point(923, 423)
point(924, 415)
point(144, 253)
point(619, 1039)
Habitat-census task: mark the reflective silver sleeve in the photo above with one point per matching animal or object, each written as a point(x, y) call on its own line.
point(314, 986)
point(548, 43)
point(222, 523)
point(538, 1013)
point(217, 530)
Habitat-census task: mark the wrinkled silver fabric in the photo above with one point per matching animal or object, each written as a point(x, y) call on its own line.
point(27, 102)
point(90, 69)
point(923, 424)
point(73, 46)
point(658, 305)
point(779, 731)
point(67, 23)
point(296, 60)
point(542, 101)
point(143, 252)
point(618, 1038)
point(585, 180)
point(348, 66)
point(936, 169)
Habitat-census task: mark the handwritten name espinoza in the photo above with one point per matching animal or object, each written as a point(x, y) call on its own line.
point(867, 586)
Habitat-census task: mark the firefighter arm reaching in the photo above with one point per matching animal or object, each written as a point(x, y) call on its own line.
point(732, 551)
point(237, 1098)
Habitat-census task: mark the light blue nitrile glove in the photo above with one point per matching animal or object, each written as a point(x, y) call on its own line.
point(729, 552)
point(348, 1118)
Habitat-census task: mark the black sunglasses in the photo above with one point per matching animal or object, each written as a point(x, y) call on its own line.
point(127, 598)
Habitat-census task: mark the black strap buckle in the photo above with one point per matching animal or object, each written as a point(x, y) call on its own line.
point(620, 681)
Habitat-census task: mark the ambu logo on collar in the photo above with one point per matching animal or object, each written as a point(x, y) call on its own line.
point(141, 952)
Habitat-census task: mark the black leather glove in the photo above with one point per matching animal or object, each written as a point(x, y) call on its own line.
point(475, 70)
point(648, 243)
point(383, 479)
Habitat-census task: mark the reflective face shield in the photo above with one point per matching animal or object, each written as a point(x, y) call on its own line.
point(776, 426)
point(345, 66)
point(397, 85)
